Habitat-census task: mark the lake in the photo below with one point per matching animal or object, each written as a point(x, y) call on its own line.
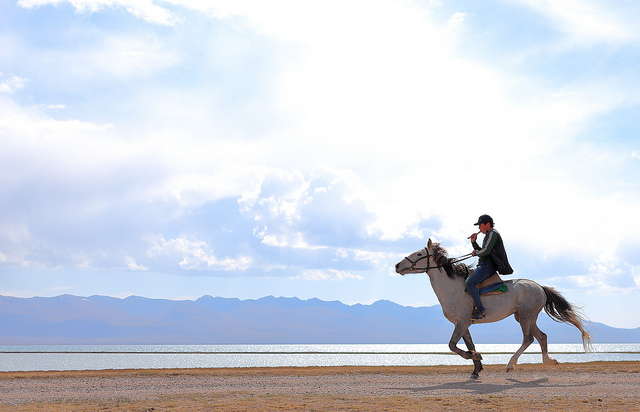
point(99, 357)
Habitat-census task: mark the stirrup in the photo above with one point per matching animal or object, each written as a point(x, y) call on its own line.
point(477, 314)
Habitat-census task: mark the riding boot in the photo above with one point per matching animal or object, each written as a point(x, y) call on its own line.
point(477, 314)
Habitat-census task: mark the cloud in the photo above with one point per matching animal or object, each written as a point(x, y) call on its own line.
point(635, 271)
point(281, 139)
point(588, 21)
point(11, 84)
point(73, 195)
point(133, 265)
point(144, 9)
point(115, 56)
point(319, 223)
point(330, 274)
point(195, 255)
point(323, 210)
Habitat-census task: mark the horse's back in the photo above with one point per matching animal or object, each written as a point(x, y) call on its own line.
point(524, 284)
point(527, 293)
point(522, 296)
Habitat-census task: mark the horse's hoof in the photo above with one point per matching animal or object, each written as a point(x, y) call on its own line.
point(474, 376)
point(509, 369)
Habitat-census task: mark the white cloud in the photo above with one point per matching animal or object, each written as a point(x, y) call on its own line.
point(374, 258)
point(116, 56)
point(144, 9)
point(11, 84)
point(395, 113)
point(329, 274)
point(590, 21)
point(635, 271)
point(133, 265)
point(283, 240)
point(324, 210)
point(55, 106)
point(196, 255)
point(382, 129)
point(609, 274)
point(18, 124)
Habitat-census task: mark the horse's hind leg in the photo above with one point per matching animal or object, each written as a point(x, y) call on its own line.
point(527, 339)
point(542, 340)
point(477, 363)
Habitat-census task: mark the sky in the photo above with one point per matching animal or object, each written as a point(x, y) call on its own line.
point(180, 148)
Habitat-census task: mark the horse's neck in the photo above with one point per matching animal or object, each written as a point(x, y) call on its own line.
point(449, 291)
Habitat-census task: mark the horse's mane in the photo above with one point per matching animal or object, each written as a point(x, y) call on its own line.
point(441, 257)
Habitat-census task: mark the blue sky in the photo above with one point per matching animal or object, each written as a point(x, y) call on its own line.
point(180, 148)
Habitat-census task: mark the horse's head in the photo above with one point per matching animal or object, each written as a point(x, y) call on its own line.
point(417, 262)
point(431, 257)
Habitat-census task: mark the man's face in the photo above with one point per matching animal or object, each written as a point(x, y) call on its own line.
point(484, 227)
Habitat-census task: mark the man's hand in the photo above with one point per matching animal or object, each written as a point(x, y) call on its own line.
point(473, 237)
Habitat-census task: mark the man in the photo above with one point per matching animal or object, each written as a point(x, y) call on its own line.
point(492, 257)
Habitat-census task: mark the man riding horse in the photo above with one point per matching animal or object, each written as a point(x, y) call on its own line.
point(522, 298)
point(492, 257)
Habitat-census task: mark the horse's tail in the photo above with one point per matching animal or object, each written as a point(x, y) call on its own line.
point(560, 310)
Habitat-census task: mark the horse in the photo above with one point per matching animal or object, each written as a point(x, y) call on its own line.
point(524, 299)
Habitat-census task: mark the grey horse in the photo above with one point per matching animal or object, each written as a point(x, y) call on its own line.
point(524, 299)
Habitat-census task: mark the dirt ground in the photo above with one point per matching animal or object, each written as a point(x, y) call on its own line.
point(602, 386)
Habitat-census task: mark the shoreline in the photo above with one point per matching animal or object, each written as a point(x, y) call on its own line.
point(569, 386)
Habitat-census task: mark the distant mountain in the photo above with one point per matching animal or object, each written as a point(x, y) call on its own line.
point(136, 320)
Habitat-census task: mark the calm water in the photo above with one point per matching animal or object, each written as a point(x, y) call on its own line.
point(96, 357)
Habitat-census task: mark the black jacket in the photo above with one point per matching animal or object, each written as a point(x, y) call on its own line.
point(493, 252)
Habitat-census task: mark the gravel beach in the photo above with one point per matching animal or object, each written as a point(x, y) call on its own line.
point(609, 386)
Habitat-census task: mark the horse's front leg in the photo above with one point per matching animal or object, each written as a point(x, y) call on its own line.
point(460, 330)
point(477, 363)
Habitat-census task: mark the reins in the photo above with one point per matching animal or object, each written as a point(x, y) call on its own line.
point(429, 267)
point(461, 258)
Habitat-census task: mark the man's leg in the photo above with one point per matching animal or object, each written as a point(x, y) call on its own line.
point(481, 273)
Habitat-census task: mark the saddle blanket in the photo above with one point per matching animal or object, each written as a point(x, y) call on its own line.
point(492, 285)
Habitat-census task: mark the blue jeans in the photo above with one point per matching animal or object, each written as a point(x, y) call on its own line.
point(481, 273)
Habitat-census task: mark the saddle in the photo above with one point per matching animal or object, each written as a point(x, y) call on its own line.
point(492, 285)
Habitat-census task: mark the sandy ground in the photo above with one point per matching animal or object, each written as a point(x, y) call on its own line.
point(602, 386)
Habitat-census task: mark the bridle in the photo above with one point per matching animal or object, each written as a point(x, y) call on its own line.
point(427, 256)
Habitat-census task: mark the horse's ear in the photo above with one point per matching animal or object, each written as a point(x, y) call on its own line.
point(429, 243)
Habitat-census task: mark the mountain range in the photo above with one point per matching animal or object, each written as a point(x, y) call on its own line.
point(78, 320)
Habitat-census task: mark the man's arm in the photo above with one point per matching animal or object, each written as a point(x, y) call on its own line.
point(488, 245)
